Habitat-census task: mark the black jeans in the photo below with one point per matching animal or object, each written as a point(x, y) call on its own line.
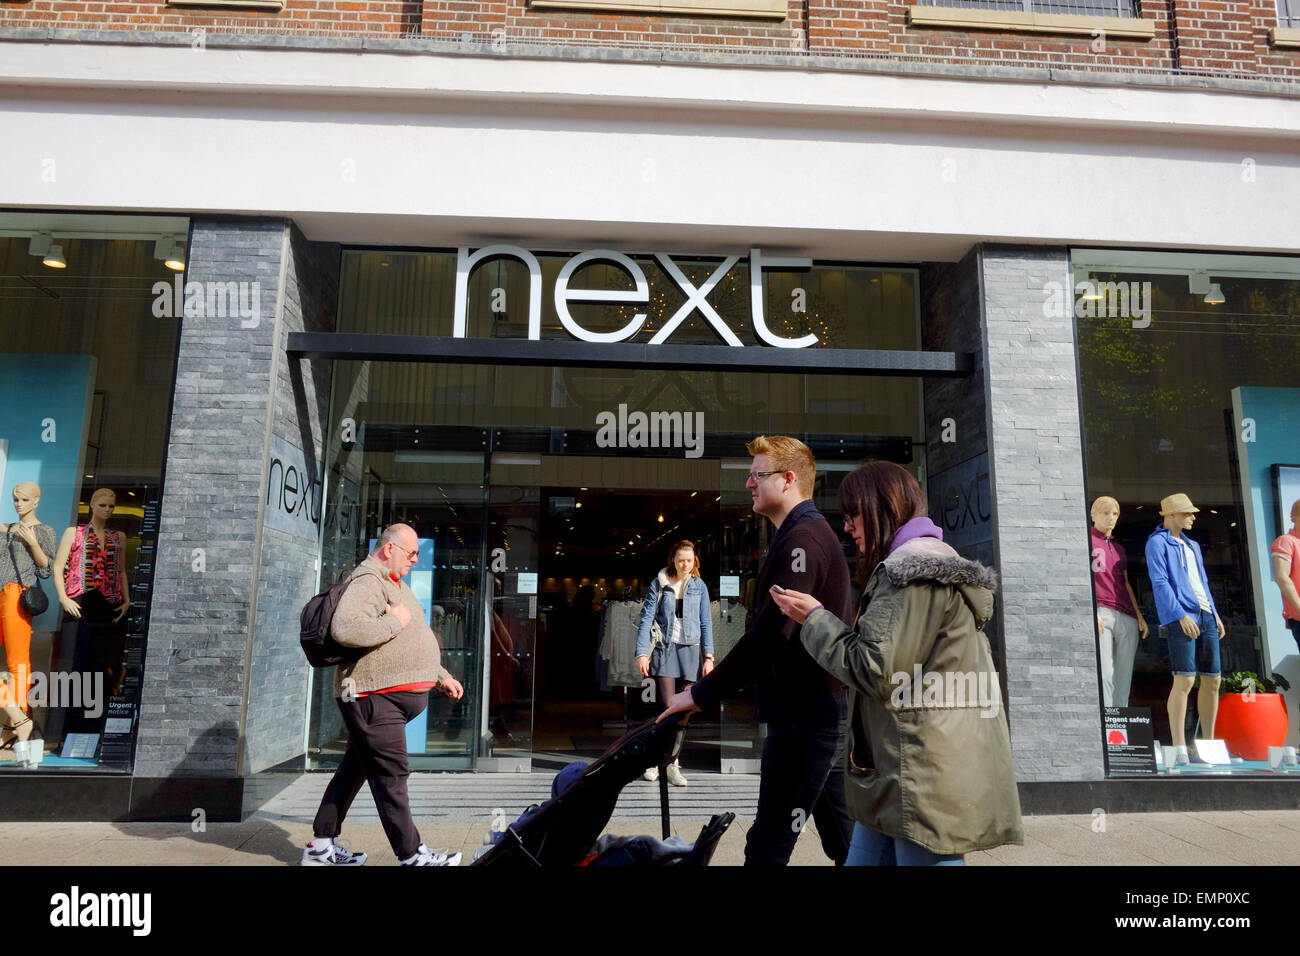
point(377, 754)
point(1295, 630)
point(99, 644)
point(802, 777)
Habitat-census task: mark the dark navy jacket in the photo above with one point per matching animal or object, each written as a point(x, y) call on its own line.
point(792, 688)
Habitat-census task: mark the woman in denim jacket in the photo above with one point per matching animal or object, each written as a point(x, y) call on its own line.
point(679, 600)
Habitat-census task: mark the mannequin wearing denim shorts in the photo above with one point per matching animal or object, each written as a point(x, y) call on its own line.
point(1189, 621)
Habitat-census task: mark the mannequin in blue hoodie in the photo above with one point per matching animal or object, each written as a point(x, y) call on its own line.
point(1189, 621)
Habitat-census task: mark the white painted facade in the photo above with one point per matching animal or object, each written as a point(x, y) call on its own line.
point(439, 149)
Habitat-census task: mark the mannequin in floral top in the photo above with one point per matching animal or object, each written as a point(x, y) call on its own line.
point(90, 578)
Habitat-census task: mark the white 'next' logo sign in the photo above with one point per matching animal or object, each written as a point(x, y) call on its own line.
point(695, 295)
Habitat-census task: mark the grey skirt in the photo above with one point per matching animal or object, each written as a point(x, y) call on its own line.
point(676, 660)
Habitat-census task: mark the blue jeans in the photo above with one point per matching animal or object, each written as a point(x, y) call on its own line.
point(1189, 655)
point(872, 848)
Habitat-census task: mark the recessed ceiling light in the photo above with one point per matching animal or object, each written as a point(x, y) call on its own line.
point(171, 251)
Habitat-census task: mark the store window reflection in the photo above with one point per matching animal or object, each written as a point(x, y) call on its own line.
point(1191, 408)
point(86, 380)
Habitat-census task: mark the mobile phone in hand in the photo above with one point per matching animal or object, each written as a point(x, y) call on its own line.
point(778, 589)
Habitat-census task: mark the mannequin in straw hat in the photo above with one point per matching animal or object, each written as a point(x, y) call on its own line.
point(1189, 621)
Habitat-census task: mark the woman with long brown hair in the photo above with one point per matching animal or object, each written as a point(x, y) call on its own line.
point(678, 601)
point(929, 774)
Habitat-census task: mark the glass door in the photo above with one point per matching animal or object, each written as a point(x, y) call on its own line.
point(390, 462)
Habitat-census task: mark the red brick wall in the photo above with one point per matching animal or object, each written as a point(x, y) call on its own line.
point(1205, 35)
point(1219, 36)
point(865, 26)
point(321, 17)
point(512, 19)
point(1025, 49)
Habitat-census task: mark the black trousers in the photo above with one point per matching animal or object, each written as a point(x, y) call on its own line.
point(99, 644)
point(802, 777)
point(376, 754)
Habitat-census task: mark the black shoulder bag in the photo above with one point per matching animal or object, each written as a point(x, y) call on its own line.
point(33, 600)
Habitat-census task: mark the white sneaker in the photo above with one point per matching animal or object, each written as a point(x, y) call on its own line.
point(652, 775)
point(334, 854)
point(426, 857)
point(675, 775)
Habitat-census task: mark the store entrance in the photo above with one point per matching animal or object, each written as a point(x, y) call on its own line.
point(600, 550)
point(597, 529)
point(544, 526)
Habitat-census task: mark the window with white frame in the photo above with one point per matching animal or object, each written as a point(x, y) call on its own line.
point(1096, 8)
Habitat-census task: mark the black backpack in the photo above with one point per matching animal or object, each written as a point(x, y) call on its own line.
point(317, 643)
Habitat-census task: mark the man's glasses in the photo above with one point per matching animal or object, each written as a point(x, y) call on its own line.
point(755, 475)
point(412, 555)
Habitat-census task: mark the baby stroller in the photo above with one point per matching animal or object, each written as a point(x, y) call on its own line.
point(564, 829)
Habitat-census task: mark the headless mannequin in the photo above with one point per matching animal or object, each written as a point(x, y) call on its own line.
point(27, 532)
point(1207, 699)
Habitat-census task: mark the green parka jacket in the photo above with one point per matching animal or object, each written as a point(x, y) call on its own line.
point(929, 754)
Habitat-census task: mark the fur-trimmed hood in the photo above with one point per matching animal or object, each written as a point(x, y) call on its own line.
point(929, 559)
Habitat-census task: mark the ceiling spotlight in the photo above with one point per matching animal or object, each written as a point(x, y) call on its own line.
point(54, 258)
point(172, 253)
point(1215, 295)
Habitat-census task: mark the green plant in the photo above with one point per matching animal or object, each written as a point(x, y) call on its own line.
point(1242, 681)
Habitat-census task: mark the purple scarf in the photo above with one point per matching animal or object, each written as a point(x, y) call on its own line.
point(918, 527)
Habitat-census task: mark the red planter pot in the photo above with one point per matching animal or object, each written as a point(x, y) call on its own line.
point(1250, 727)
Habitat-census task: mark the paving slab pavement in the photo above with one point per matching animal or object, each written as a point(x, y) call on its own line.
point(1220, 838)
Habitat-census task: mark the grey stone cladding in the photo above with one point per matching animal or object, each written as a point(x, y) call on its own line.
point(209, 680)
point(956, 415)
point(278, 676)
point(1040, 518)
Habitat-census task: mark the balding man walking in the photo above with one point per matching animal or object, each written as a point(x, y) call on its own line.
point(378, 694)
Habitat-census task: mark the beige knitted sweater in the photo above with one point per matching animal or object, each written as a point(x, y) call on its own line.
point(397, 655)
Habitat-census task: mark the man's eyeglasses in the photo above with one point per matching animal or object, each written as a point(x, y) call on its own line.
point(412, 555)
point(755, 475)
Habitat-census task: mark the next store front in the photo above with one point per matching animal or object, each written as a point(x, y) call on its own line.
point(596, 414)
point(551, 418)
